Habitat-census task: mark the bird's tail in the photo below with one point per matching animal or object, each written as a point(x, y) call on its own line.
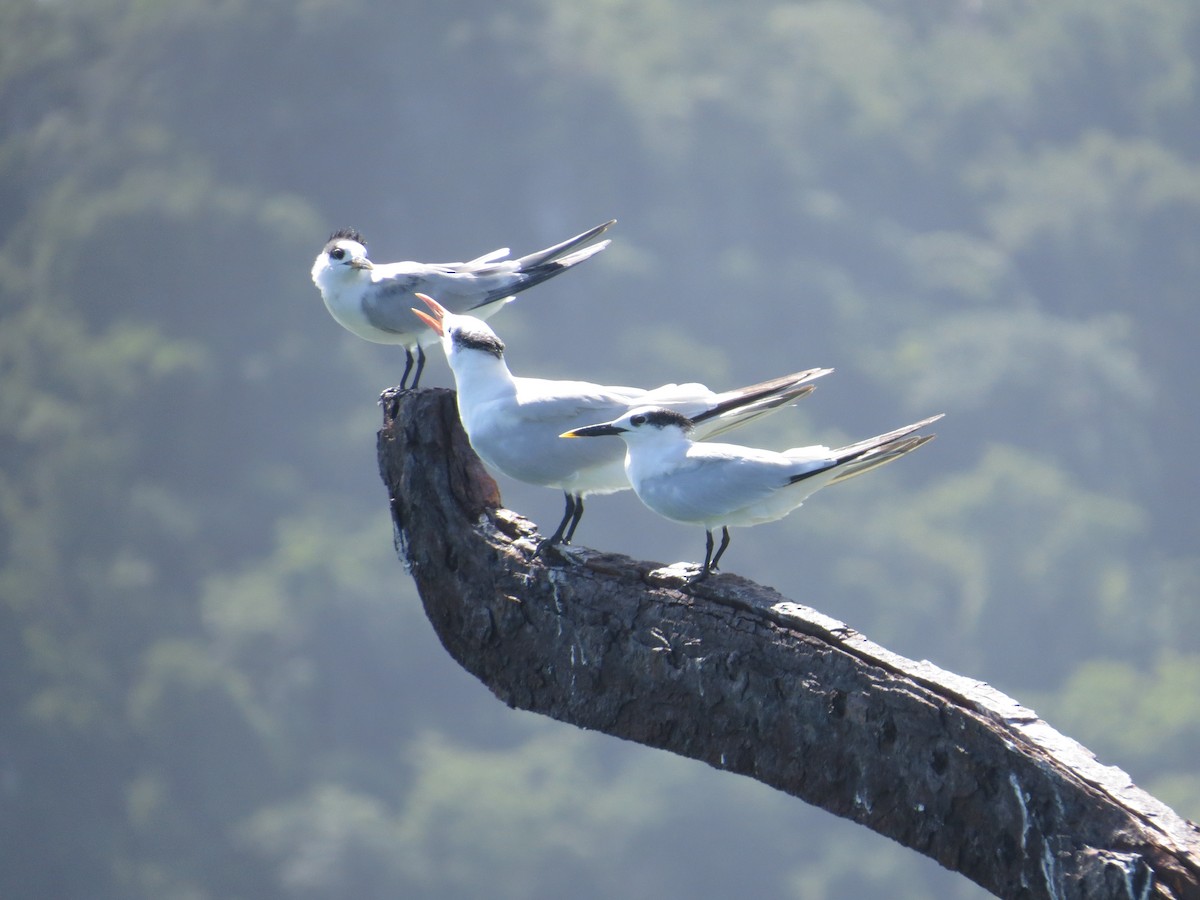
point(863, 456)
point(735, 408)
point(537, 267)
point(561, 253)
point(882, 455)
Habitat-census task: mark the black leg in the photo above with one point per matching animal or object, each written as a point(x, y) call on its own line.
point(708, 549)
point(711, 559)
point(408, 364)
point(568, 515)
point(570, 535)
point(712, 567)
point(420, 366)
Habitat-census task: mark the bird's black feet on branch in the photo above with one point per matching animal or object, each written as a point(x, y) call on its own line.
point(710, 559)
point(566, 528)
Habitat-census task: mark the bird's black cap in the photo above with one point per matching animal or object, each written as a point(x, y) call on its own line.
point(350, 234)
point(661, 418)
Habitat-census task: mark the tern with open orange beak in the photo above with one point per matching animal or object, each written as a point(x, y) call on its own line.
point(514, 422)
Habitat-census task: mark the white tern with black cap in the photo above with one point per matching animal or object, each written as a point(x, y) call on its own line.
point(515, 423)
point(726, 485)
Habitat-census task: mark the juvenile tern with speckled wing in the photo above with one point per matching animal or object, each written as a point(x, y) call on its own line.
point(374, 300)
point(725, 485)
point(515, 423)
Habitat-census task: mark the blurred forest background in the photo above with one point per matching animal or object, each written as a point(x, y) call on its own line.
point(215, 678)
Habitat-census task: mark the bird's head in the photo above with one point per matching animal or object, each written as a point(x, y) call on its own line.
point(643, 423)
point(345, 253)
point(461, 335)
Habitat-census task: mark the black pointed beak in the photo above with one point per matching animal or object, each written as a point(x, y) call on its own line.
point(592, 431)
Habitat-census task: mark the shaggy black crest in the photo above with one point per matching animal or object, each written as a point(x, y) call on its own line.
point(347, 234)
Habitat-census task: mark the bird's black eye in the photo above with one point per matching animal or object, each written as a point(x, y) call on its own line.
point(337, 253)
point(638, 420)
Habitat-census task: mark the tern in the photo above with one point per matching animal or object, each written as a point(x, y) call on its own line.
point(373, 300)
point(727, 485)
point(515, 423)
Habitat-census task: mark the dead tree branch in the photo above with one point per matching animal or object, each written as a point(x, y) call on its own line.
point(738, 676)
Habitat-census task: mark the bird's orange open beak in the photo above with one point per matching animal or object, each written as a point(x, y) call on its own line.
point(439, 312)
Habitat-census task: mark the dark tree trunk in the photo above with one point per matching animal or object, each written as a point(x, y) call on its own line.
point(738, 676)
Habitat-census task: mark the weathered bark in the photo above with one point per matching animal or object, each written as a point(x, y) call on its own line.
point(736, 675)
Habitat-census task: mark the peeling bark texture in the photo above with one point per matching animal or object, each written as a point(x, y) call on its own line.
point(738, 676)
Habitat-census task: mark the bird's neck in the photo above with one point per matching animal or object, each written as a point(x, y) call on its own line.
point(482, 376)
point(649, 453)
point(338, 286)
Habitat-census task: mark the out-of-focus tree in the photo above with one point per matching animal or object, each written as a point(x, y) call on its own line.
point(215, 681)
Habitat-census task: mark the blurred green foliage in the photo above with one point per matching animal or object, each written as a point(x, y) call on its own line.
point(215, 678)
